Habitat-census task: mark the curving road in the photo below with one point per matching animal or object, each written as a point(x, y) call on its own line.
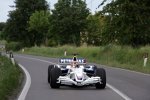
point(128, 85)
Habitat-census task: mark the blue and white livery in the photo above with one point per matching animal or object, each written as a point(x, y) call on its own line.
point(75, 72)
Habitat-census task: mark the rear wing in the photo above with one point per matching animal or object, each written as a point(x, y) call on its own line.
point(69, 60)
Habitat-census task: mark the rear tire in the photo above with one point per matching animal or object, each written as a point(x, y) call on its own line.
point(54, 75)
point(102, 74)
point(49, 70)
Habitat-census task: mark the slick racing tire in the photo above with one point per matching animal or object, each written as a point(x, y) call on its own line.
point(49, 70)
point(54, 75)
point(95, 69)
point(102, 74)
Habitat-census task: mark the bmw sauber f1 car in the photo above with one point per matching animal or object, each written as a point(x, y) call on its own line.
point(75, 72)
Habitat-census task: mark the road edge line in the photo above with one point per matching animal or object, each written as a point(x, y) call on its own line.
point(118, 92)
point(26, 87)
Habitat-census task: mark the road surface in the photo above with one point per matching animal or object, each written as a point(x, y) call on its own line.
point(128, 85)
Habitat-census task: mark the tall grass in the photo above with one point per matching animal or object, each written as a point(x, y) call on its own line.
point(9, 78)
point(115, 56)
point(2, 42)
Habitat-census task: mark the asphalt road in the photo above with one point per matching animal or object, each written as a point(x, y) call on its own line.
point(134, 85)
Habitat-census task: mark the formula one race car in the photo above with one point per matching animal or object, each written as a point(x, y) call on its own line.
point(75, 72)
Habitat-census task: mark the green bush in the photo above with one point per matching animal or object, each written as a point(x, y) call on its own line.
point(14, 46)
point(52, 43)
point(10, 76)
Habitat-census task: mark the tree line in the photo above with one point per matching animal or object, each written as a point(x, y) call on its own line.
point(123, 22)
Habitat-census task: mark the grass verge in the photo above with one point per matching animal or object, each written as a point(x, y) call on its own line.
point(2, 42)
point(10, 79)
point(115, 56)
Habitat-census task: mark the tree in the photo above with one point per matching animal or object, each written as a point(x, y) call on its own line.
point(127, 22)
point(68, 21)
point(11, 31)
point(94, 29)
point(2, 25)
point(17, 24)
point(38, 27)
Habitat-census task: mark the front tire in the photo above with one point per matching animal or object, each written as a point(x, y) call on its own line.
point(49, 70)
point(102, 74)
point(54, 75)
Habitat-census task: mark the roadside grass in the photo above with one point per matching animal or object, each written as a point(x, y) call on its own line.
point(10, 76)
point(115, 56)
point(2, 42)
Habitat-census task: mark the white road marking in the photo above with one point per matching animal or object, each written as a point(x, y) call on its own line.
point(125, 97)
point(118, 92)
point(24, 92)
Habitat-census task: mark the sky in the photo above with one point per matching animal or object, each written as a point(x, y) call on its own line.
point(5, 7)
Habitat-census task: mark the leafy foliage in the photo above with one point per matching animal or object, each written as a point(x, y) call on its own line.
point(10, 78)
point(38, 27)
point(123, 22)
point(127, 22)
point(68, 21)
point(2, 25)
point(13, 46)
point(94, 29)
point(17, 24)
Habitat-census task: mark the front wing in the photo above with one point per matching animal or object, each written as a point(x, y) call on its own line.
point(65, 80)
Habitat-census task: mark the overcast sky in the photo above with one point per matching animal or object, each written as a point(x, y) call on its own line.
point(4, 7)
